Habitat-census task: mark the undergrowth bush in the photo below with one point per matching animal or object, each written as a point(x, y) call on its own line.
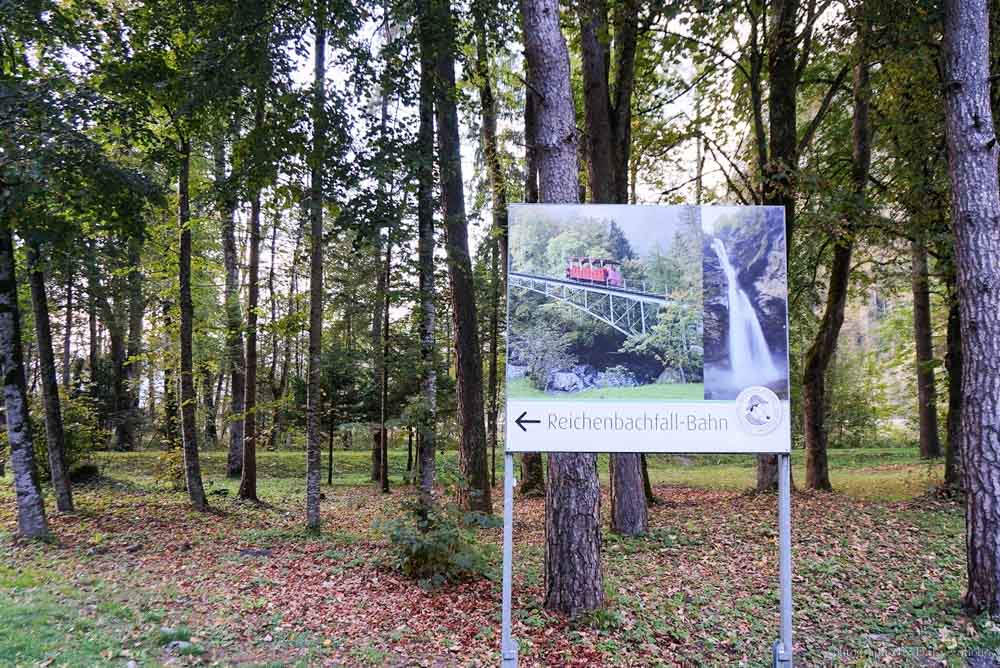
point(82, 433)
point(438, 545)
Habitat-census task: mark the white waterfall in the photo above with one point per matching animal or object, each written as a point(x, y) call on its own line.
point(750, 359)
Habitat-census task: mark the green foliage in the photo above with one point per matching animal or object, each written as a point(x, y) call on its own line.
point(82, 433)
point(544, 350)
point(437, 544)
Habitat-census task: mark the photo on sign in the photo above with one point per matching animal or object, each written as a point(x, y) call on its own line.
point(605, 303)
point(745, 300)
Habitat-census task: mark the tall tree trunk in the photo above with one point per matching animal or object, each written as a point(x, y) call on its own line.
point(972, 163)
point(608, 184)
point(953, 366)
point(573, 580)
point(248, 478)
point(208, 399)
point(498, 233)
point(234, 318)
point(132, 367)
point(31, 522)
point(825, 344)
point(189, 427)
point(474, 493)
point(532, 470)
point(313, 399)
point(94, 346)
point(384, 388)
point(171, 418)
point(427, 441)
point(67, 332)
point(780, 160)
point(54, 437)
point(930, 445)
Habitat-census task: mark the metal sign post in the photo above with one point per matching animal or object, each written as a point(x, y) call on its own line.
point(730, 397)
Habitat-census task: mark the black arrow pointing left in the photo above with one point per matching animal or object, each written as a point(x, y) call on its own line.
point(520, 421)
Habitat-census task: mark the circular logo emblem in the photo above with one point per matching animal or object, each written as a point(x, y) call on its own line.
point(759, 410)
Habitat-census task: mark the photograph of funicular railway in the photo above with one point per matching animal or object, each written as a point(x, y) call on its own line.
point(605, 303)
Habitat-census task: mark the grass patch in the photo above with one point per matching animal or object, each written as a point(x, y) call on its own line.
point(521, 388)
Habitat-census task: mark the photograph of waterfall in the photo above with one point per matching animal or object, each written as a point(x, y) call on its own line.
point(745, 300)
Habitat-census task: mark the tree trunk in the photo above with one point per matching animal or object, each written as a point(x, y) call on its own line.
point(189, 428)
point(972, 164)
point(608, 179)
point(825, 344)
point(532, 471)
point(629, 516)
point(31, 522)
point(427, 426)
point(930, 445)
point(384, 392)
point(953, 366)
point(313, 444)
point(573, 580)
point(498, 233)
point(234, 319)
point(208, 399)
point(647, 486)
point(67, 332)
point(133, 366)
point(474, 492)
point(54, 437)
point(171, 420)
point(248, 477)
point(92, 324)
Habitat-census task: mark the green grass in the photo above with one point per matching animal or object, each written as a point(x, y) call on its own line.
point(521, 389)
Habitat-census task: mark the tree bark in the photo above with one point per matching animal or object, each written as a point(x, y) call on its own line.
point(67, 332)
point(208, 399)
point(171, 419)
point(498, 233)
point(189, 427)
point(474, 492)
point(573, 580)
point(248, 476)
point(31, 521)
point(384, 390)
point(825, 344)
point(54, 436)
point(133, 366)
point(930, 445)
point(608, 184)
point(313, 399)
point(972, 164)
point(427, 441)
point(234, 319)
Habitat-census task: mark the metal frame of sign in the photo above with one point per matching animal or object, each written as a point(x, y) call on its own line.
point(782, 648)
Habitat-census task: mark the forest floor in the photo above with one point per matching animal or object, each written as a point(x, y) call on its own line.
point(137, 576)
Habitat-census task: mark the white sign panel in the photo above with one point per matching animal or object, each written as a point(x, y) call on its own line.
point(647, 329)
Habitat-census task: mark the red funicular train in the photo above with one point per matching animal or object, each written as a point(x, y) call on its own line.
point(595, 270)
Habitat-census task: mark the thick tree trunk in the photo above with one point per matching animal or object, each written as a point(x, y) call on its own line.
point(972, 163)
point(248, 476)
point(629, 516)
point(780, 160)
point(54, 437)
point(608, 184)
point(474, 493)
point(930, 445)
point(825, 344)
point(31, 522)
point(313, 399)
point(573, 579)
point(234, 318)
point(189, 427)
point(427, 438)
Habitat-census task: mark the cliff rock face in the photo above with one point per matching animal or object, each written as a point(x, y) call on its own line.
point(756, 248)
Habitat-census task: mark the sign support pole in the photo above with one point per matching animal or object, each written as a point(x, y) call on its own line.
point(508, 646)
point(783, 646)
